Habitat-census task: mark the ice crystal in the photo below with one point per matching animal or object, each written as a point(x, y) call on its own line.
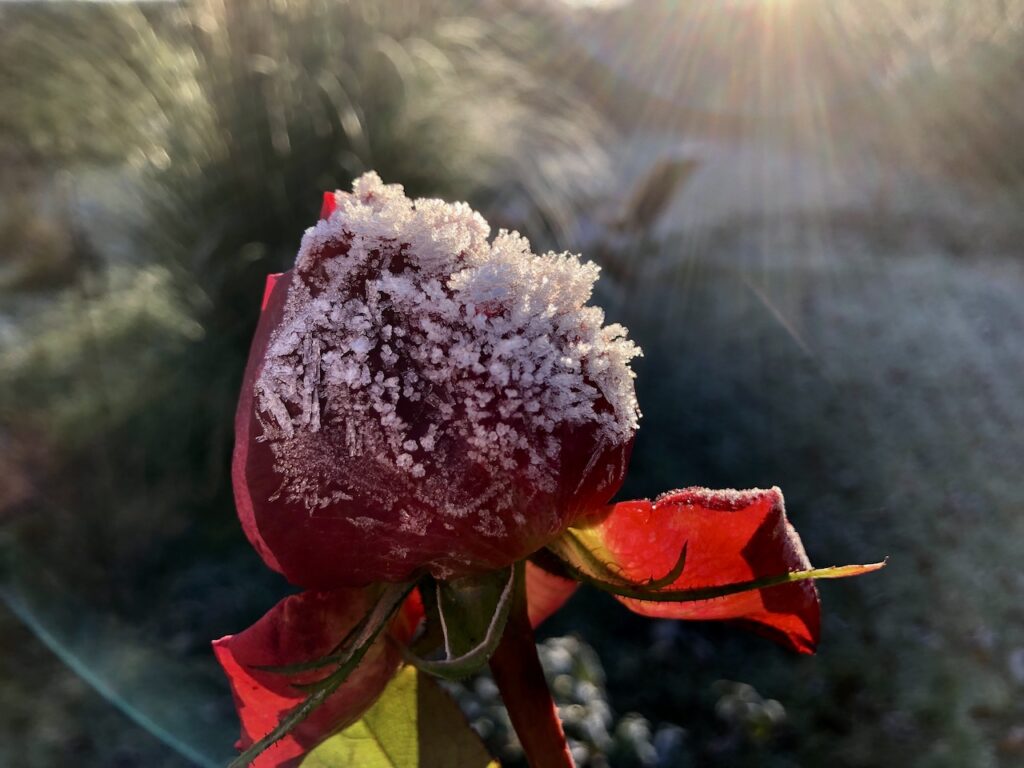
point(410, 334)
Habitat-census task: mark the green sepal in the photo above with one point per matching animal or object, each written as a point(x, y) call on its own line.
point(472, 613)
point(583, 563)
point(695, 594)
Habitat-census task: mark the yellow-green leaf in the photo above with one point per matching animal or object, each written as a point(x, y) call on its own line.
point(414, 724)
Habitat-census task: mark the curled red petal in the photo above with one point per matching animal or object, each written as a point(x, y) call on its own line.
point(545, 592)
point(330, 203)
point(300, 628)
point(730, 537)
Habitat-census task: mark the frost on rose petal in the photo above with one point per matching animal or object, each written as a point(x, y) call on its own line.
point(412, 335)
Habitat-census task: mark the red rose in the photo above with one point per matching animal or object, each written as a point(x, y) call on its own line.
point(421, 400)
point(423, 406)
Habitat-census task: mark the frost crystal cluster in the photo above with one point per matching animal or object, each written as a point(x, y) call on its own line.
point(419, 344)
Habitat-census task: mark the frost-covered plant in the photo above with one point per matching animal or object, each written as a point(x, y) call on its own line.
point(430, 429)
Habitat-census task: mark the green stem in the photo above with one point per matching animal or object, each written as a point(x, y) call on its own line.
point(517, 671)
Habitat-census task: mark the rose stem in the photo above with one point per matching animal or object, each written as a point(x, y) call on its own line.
point(517, 671)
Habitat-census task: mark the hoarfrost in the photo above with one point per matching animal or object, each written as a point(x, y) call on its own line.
point(408, 333)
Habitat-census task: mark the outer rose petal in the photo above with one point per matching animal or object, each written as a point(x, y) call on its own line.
point(730, 536)
point(545, 593)
point(301, 628)
point(273, 297)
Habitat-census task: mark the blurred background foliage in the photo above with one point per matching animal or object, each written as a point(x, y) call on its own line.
point(807, 212)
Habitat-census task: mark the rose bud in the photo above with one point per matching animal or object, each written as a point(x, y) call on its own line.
point(420, 399)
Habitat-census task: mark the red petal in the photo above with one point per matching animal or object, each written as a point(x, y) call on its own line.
point(730, 536)
point(268, 288)
point(273, 306)
point(330, 203)
point(301, 628)
point(545, 592)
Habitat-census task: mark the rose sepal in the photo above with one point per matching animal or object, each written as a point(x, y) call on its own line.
point(471, 627)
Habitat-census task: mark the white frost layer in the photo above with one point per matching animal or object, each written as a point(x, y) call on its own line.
point(407, 330)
